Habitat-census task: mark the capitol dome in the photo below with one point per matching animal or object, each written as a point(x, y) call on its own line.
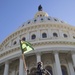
point(53, 41)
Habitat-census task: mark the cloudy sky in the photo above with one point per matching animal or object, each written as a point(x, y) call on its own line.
point(14, 13)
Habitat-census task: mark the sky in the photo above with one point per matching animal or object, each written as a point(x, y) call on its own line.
point(13, 13)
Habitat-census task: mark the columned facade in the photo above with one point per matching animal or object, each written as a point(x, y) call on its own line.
point(58, 68)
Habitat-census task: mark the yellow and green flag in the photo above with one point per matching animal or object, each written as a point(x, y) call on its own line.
point(25, 46)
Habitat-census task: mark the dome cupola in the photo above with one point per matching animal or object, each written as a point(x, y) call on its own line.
point(40, 12)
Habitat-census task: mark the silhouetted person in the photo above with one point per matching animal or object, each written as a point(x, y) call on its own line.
point(40, 70)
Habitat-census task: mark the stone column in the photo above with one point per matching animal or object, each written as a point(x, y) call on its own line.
point(71, 68)
point(38, 56)
point(57, 62)
point(6, 69)
point(21, 71)
point(73, 58)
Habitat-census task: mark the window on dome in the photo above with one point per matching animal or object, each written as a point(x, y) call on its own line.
point(22, 25)
point(48, 18)
point(55, 19)
point(33, 36)
point(61, 21)
point(28, 22)
point(74, 37)
point(40, 15)
point(55, 34)
point(65, 35)
point(64, 70)
point(41, 19)
point(37, 15)
point(44, 35)
point(23, 38)
point(35, 20)
point(49, 68)
point(14, 42)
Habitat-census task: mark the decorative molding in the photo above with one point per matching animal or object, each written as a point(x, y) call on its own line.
point(40, 43)
point(33, 27)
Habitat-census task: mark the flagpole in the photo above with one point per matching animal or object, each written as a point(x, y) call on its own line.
point(24, 63)
point(23, 45)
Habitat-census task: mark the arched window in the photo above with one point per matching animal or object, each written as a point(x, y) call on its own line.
point(48, 18)
point(55, 34)
point(74, 37)
point(29, 22)
point(42, 19)
point(14, 42)
point(49, 68)
point(35, 20)
point(23, 38)
point(33, 71)
point(33, 36)
point(44, 35)
point(55, 19)
point(65, 35)
point(40, 15)
point(64, 70)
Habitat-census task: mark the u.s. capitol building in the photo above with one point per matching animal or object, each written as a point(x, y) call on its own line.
point(53, 41)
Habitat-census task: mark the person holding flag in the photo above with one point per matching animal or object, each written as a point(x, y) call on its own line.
point(40, 70)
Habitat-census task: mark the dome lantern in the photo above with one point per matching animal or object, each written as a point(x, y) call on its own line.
point(40, 12)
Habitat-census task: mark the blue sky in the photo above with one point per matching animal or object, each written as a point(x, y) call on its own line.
point(14, 13)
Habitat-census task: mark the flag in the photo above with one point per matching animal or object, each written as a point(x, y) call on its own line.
point(25, 46)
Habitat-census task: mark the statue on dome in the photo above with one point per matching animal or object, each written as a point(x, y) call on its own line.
point(40, 8)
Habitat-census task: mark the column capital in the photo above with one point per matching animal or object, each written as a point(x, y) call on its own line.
point(6, 62)
point(72, 52)
point(55, 52)
point(38, 53)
